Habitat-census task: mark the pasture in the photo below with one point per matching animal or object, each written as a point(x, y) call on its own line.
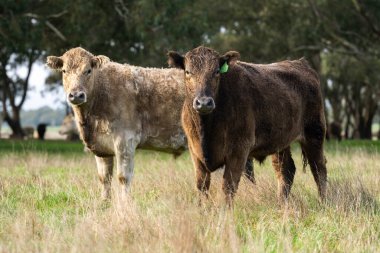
point(50, 202)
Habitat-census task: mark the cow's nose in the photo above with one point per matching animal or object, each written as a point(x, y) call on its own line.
point(81, 95)
point(71, 96)
point(76, 98)
point(204, 105)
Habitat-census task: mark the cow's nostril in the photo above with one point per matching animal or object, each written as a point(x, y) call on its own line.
point(197, 103)
point(81, 96)
point(71, 95)
point(209, 103)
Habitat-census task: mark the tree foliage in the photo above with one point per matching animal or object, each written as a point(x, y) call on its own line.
point(339, 38)
point(20, 44)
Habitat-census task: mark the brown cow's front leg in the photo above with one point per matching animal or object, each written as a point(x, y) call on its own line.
point(232, 174)
point(285, 170)
point(203, 180)
point(203, 184)
point(203, 177)
point(105, 168)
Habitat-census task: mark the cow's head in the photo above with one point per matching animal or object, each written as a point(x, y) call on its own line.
point(202, 67)
point(78, 68)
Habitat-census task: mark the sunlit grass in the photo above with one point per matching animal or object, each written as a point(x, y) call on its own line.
point(50, 202)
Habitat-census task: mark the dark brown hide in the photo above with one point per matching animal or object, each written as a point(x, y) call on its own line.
point(259, 111)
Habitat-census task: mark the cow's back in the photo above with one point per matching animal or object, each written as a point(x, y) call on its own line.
point(151, 100)
point(144, 101)
point(160, 101)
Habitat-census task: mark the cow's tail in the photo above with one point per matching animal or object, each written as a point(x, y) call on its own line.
point(304, 161)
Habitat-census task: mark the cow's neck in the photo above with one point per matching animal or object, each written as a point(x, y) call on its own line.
point(202, 129)
point(82, 115)
point(85, 123)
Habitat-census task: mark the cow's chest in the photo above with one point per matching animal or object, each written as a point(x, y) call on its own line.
point(210, 147)
point(214, 150)
point(97, 137)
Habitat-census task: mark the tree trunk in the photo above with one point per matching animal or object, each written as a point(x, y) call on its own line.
point(365, 130)
point(347, 127)
point(365, 127)
point(15, 124)
point(11, 91)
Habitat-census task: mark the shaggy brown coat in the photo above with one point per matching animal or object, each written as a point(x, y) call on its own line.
point(123, 107)
point(258, 111)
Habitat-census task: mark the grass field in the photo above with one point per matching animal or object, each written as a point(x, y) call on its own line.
point(49, 202)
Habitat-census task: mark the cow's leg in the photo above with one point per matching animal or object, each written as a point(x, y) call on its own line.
point(249, 172)
point(125, 147)
point(233, 170)
point(285, 170)
point(203, 176)
point(105, 168)
point(312, 147)
point(203, 180)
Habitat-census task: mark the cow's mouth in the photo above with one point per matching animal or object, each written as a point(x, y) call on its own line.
point(204, 111)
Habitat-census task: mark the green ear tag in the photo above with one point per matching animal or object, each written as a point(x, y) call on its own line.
point(224, 68)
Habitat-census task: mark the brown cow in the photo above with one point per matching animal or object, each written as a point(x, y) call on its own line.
point(250, 110)
point(119, 108)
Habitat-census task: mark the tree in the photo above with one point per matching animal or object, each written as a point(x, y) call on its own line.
point(17, 48)
point(351, 32)
point(136, 31)
point(333, 35)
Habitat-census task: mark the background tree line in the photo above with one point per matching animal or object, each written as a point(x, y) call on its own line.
point(340, 38)
point(43, 115)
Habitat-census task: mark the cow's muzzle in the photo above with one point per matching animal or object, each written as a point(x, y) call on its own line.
point(77, 98)
point(204, 105)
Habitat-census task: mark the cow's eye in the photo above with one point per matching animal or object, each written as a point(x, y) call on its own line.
point(88, 72)
point(187, 72)
point(63, 71)
point(217, 72)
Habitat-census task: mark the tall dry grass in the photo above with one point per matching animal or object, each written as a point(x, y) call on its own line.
point(51, 203)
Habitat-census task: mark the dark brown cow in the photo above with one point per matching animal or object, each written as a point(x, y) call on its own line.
point(250, 110)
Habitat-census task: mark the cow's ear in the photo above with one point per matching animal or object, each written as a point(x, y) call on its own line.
point(99, 60)
point(230, 58)
point(54, 62)
point(175, 60)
